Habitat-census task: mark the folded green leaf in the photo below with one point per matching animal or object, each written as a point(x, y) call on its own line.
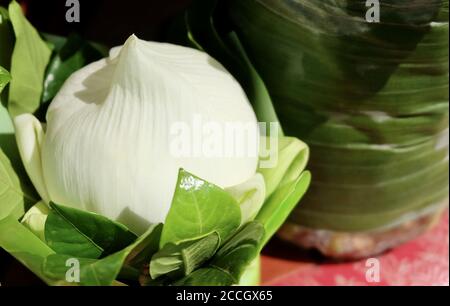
point(280, 204)
point(199, 208)
point(99, 272)
point(78, 233)
point(292, 157)
point(14, 199)
point(179, 260)
point(238, 253)
point(29, 61)
point(250, 196)
point(198, 253)
point(231, 261)
point(206, 277)
point(168, 261)
point(143, 252)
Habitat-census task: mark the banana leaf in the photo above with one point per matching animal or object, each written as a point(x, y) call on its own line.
point(370, 99)
point(372, 95)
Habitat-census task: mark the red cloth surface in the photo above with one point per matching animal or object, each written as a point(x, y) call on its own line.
point(422, 262)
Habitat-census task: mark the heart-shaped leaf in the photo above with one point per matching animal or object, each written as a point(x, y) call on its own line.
point(78, 233)
point(199, 208)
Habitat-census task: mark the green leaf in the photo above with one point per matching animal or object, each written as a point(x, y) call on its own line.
point(239, 252)
point(14, 200)
point(78, 233)
point(196, 254)
point(24, 246)
point(143, 252)
point(206, 277)
point(292, 157)
point(7, 139)
point(286, 184)
point(29, 61)
point(232, 261)
point(280, 204)
point(199, 208)
point(101, 272)
point(8, 145)
point(10, 151)
point(4, 78)
point(92, 272)
point(168, 261)
point(179, 260)
point(252, 274)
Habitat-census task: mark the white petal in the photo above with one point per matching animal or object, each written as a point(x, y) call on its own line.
point(109, 130)
point(30, 136)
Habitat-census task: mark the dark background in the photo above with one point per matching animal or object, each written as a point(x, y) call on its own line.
point(106, 21)
point(109, 22)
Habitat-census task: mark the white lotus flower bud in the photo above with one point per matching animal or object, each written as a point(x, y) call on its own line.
point(107, 143)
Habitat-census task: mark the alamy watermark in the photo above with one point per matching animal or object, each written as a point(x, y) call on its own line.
point(373, 12)
point(373, 270)
point(73, 271)
point(202, 138)
point(73, 12)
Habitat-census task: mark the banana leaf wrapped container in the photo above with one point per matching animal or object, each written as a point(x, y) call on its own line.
point(371, 100)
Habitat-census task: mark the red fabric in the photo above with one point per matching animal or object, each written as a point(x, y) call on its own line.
point(422, 262)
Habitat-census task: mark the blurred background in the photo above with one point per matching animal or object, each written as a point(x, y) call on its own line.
point(109, 22)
